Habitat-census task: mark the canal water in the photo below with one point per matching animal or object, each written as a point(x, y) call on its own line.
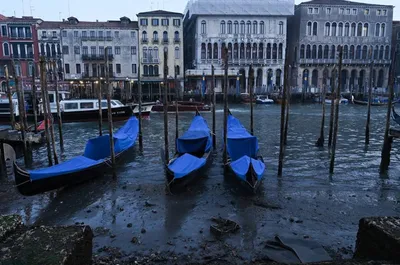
point(313, 204)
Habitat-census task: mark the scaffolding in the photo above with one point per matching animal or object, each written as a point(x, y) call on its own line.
point(240, 7)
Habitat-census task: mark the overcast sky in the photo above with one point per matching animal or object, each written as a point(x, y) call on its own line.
point(102, 10)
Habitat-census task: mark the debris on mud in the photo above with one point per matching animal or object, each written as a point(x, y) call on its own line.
point(223, 226)
point(266, 205)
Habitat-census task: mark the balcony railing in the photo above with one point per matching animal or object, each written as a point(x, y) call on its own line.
point(155, 40)
point(93, 38)
point(23, 56)
point(100, 38)
point(92, 75)
point(109, 38)
point(165, 41)
point(96, 57)
point(145, 40)
point(177, 40)
point(85, 38)
point(150, 60)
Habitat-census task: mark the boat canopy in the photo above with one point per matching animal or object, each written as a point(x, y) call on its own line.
point(240, 142)
point(97, 150)
point(196, 139)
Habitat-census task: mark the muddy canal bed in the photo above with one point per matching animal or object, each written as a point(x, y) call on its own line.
point(134, 216)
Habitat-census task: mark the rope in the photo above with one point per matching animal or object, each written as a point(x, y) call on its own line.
point(23, 183)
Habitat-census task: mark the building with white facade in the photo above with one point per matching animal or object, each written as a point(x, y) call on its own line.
point(254, 31)
point(159, 30)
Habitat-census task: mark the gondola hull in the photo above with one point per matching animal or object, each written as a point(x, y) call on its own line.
point(365, 103)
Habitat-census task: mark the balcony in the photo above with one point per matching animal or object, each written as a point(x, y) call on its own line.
point(150, 60)
point(100, 38)
point(96, 57)
point(177, 40)
point(85, 38)
point(23, 56)
point(109, 38)
point(93, 38)
point(155, 41)
point(86, 75)
point(165, 41)
point(145, 40)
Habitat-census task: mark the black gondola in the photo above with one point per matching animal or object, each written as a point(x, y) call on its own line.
point(94, 162)
point(396, 117)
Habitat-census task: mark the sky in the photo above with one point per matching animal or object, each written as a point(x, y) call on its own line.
point(102, 10)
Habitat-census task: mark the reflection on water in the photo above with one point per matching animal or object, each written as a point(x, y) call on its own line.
point(328, 205)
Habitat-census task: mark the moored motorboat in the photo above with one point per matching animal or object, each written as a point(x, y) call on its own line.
point(341, 101)
point(93, 163)
point(244, 161)
point(185, 106)
point(264, 100)
point(193, 155)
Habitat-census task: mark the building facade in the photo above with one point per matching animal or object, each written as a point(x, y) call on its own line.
point(320, 27)
point(254, 33)
point(18, 43)
point(396, 38)
point(160, 30)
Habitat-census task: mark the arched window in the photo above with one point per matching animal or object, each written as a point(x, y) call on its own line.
point(353, 29)
point(177, 70)
point(381, 53)
point(150, 54)
point(203, 27)
point(145, 53)
point(222, 30)
point(229, 27)
point(302, 51)
point(177, 54)
point(165, 36)
point(351, 54)
point(358, 52)
point(280, 28)
point(155, 52)
point(308, 52)
point(377, 29)
point(387, 53)
point(151, 70)
point(333, 30)
point(383, 30)
point(315, 29)
point(326, 52)
point(156, 70)
point(203, 51)
point(327, 29)
point(261, 51)
point(309, 25)
point(144, 35)
point(236, 27)
point(248, 31)
point(42, 49)
point(280, 51)
point(364, 52)
point(346, 52)
point(145, 70)
point(340, 31)
point(320, 52)
point(155, 36)
point(6, 49)
point(347, 29)
point(255, 27)
point(333, 51)
point(176, 36)
point(359, 29)
point(376, 52)
point(215, 49)
point(314, 52)
point(262, 27)
point(242, 27)
point(274, 51)
point(365, 30)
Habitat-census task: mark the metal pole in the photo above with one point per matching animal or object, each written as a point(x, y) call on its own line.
point(99, 96)
point(369, 100)
point(213, 106)
point(225, 155)
point(34, 105)
point(12, 118)
point(335, 132)
point(44, 106)
point(110, 121)
point(58, 108)
point(165, 105)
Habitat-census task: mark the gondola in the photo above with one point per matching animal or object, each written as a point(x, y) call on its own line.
point(94, 162)
point(362, 102)
point(396, 117)
point(244, 161)
point(193, 155)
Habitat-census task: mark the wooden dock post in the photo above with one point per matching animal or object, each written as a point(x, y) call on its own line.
point(99, 97)
point(140, 111)
point(9, 95)
point(165, 106)
point(60, 132)
point(321, 139)
point(225, 154)
point(283, 109)
point(251, 86)
point(333, 96)
point(337, 102)
point(369, 99)
point(50, 117)
point(110, 119)
point(44, 106)
point(288, 97)
point(213, 107)
point(176, 111)
point(387, 140)
point(34, 99)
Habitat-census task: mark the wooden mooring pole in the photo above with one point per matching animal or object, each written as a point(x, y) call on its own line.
point(34, 98)
point(99, 97)
point(283, 109)
point(140, 110)
point(59, 119)
point(332, 107)
point(225, 154)
point(251, 87)
point(44, 106)
point(165, 106)
point(176, 111)
point(337, 102)
point(371, 67)
point(9, 95)
point(288, 96)
point(110, 119)
point(213, 107)
point(388, 139)
point(321, 139)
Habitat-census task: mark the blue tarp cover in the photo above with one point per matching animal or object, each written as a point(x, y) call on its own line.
point(96, 151)
point(242, 165)
point(196, 139)
point(240, 142)
point(185, 164)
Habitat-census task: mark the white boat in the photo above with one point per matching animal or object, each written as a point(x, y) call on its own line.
point(264, 100)
point(341, 101)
